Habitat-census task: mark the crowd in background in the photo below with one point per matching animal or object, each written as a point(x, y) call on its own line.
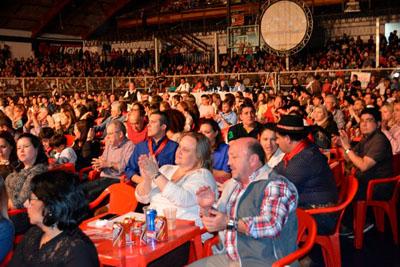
point(342, 53)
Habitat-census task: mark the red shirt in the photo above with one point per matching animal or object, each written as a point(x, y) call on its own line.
point(269, 116)
point(136, 137)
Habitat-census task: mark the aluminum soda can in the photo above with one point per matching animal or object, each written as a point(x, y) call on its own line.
point(117, 235)
point(137, 232)
point(161, 228)
point(151, 215)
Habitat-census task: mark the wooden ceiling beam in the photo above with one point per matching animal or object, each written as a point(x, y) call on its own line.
point(208, 13)
point(109, 13)
point(49, 16)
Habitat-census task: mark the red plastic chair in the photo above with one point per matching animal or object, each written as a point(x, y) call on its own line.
point(70, 139)
point(207, 247)
point(330, 244)
point(17, 239)
point(337, 153)
point(68, 167)
point(307, 232)
point(380, 207)
point(121, 199)
point(338, 170)
point(92, 174)
point(14, 212)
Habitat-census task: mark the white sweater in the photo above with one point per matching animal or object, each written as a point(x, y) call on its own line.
point(180, 195)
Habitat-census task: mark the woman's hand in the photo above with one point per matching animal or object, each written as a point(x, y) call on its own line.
point(148, 166)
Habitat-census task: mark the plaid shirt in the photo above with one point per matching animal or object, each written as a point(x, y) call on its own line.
point(278, 202)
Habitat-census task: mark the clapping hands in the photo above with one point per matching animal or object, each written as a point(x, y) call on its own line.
point(344, 139)
point(148, 166)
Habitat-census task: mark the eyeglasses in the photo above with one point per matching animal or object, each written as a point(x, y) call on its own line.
point(23, 146)
point(30, 198)
point(113, 132)
point(369, 120)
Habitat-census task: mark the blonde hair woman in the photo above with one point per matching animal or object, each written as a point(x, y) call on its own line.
point(324, 127)
point(391, 124)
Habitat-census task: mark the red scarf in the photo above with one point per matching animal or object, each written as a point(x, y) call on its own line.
point(159, 149)
point(300, 147)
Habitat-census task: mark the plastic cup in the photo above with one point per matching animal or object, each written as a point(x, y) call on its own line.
point(170, 215)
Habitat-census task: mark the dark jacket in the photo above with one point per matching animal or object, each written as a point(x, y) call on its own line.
point(312, 176)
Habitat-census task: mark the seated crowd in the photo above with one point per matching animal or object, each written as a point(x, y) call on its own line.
point(345, 52)
point(260, 155)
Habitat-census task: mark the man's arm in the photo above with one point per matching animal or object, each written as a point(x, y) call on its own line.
point(102, 126)
point(362, 163)
point(278, 202)
point(132, 168)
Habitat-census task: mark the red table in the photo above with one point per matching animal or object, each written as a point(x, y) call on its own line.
point(185, 231)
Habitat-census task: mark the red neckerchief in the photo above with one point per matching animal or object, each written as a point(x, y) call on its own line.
point(159, 149)
point(300, 147)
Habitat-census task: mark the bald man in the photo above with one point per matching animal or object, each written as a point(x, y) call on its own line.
point(136, 126)
point(256, 212)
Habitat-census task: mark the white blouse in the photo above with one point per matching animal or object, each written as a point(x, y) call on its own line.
point(276, 158)
point(180, 195)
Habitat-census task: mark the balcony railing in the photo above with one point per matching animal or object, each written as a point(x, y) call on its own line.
point(270, 80)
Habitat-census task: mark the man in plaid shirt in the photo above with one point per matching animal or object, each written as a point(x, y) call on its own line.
point(255, 215)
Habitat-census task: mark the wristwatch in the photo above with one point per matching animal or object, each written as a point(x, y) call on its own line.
point(155, 176)
point(347, 151)
point(232, 224)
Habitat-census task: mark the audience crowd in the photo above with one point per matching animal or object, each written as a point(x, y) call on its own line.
point(257, 154)
point(341, 53)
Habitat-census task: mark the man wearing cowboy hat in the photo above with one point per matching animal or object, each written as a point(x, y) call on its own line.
point(306, 167)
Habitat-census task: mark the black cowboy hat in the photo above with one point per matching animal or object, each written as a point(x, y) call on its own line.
point(291, 124)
